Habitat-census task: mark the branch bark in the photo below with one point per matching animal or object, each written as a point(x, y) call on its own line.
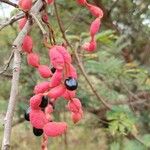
point(8, 63)
point(9, 3)
point(11, 20)
point(15, 80)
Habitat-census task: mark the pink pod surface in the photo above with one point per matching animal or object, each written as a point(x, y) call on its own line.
point(45, 17)
point(71, 71)
point(53, 129)
point(25, 5)
point(49, 1)
point(69, 94)
point(95, 11)
point(41, 87)
point(74, 105)
point(56, 92)
point(22, 23)
point(49, 109)
point(81, 2)
point(93, 46)
point(95, 26)
point(65, 53)
point(90, 47)
point(38, 119)
point(56, 58)
point(33, 59)
point(27, 44)
point(44, 71)
point(86, 46)
point(76, 117)
point(56, 79)
point(35, 101)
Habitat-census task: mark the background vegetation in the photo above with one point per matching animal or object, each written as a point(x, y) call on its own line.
point(119, 71)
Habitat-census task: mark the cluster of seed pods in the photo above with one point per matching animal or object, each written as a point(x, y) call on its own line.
point(61, 78)
point(95, 26)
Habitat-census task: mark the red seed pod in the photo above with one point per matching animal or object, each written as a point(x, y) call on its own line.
point(71, 71)
point(90, 47)
point(33, 59)
point(76, 117)
point(45, 17)
point(56, 79)
point(35, 101)
point(74, 105)
point(81, 2)
point(49, 1)
point(53, 129)
point(96, 11)
point(93, 46)
point(49, 109)
point(56, 92)
point(56, 58)
point(86, 46)
point(22, 23)
point(65, 53)
point(68, 95)
point(25, 5)
point(38, 119)
point(44, 71)
point(41, 87)
point(95, 27)
point(27, 44)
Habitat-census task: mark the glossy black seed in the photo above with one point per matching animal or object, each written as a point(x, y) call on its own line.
point(27, 114)
point(44, 102)
point(53, 70)
point(71, 83)
point(37, 132)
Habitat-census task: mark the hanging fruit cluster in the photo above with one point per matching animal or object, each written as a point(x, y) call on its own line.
point(63, 77)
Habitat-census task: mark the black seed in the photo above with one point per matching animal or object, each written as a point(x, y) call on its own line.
point(71, 83)
point(27, 114)
point(44, 102)
point(37, 132)
point(53, 70)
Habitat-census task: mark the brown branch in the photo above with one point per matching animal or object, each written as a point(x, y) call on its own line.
point(15, 80)
point(21, 120)
point(11, 20)
point(78, 60)
point(9, 3)
point(112, 7)
point(143, 97)
point(6, 75)
point(61, 26)
point(8, 63)
point(73, 19)
point(100, 98)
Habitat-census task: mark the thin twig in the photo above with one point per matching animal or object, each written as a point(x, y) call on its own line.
point(21, 120)
point(139, 140)
point(8, 63)
point(11, 20)
point(39, 24)
point(112, 7)
point(9, 3)
point(60, 25)
point(74, 18)
point(88, 81)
